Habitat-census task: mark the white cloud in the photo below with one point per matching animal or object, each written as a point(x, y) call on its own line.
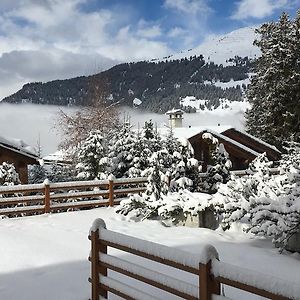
point(188, 6)
point(257, 8)
point(176, 32)
point(150, 32)
point(50, 39)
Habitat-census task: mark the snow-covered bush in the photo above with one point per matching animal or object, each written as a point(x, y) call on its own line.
point(233, 199)
point(171, 208)
point(8, 174)
point(271, 203)
point(278, 214)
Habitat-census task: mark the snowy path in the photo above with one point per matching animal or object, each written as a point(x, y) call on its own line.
point(45, 257)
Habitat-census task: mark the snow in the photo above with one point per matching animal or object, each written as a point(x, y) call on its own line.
point(188, 132)
point(169, 281)
point(18, 146)
point(231, 83)
point(174, 111)
point(257, 139)
point(220, 48)
point(225, 106)
point(137, 102)
point(205, 251)
point(45, 257)
point(257, 279)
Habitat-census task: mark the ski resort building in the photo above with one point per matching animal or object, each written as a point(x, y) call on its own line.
point(20, 154)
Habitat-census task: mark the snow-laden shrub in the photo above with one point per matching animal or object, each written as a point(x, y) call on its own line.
point(278, 214)
point(171, 208)
point(8, 174)
point(271, 203)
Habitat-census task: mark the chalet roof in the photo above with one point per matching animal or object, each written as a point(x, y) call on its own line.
point(188, 132)
point(233, 142)
point(257, 139)
point(18, 146)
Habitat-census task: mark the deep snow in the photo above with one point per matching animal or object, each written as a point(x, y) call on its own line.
point(45, 257)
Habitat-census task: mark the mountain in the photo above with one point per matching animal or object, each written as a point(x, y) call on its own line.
point(216, 70)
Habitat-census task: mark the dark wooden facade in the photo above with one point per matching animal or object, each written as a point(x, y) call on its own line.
point(19, 158)
point(241, 150)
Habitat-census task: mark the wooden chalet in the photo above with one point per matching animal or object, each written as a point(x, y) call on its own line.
point(241, 147)
point(19, 154)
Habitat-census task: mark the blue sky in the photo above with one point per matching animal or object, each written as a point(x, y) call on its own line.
point(42, 40)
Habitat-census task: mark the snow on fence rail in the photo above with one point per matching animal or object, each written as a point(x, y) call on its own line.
point(48, 197)
point(211, 273)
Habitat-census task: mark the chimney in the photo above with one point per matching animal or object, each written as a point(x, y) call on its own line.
point(175, 117)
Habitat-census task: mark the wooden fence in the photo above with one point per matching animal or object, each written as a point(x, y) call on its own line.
point(29, 199)
point(211, 273)
point(20, 200)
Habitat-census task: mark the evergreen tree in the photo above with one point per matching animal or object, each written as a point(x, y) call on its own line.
point(8, 174)
point(218, 169)
point(122, 151)
point(92, 156)
point(274, 92)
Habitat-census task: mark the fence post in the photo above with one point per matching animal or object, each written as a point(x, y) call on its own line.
point(97, 268)
point(207, 285)
point(111, 191)
point(47, 196)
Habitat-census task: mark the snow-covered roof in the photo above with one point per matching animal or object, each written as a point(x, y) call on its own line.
point(188, 132)
point(175, 111)
point(258, 140)
point(233, 142)
point(58, 156)
point(18, 146)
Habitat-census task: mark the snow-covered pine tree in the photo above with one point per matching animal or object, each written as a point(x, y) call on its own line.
point(141, 154)
point(36, 174)
point(92, 160)
point(218, 169)
point(274, 92)
point(233, 198)
point(122, 151)
point(276, 213)
point(8, 174)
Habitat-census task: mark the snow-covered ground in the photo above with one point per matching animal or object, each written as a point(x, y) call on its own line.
point(45, 257)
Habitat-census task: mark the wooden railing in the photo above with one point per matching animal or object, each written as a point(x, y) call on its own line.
point(48, 197)
point(211, 273)
point(19, 200)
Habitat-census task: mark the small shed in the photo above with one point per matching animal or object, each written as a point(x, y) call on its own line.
point(20, 154)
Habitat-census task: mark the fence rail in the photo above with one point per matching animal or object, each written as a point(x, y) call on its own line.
point(27, 199)
point(211, 273)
